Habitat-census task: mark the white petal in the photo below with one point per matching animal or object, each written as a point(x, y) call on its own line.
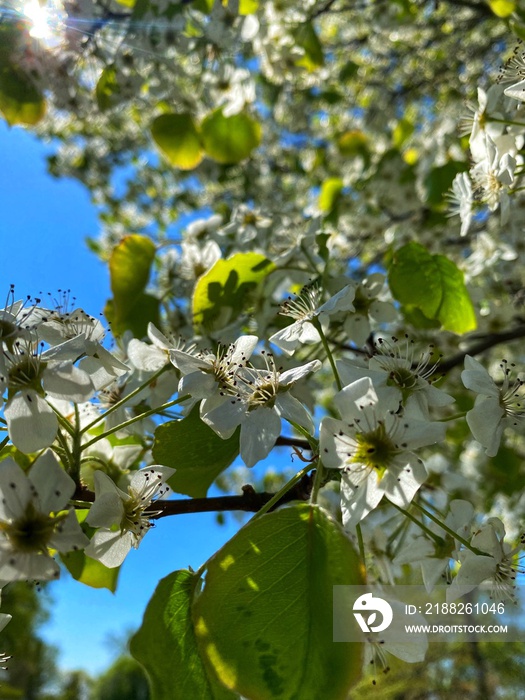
point(31, 422)
point(225, 418)
point(401, 486)
point(146, 357)
point(109, 548)
point(258, 435)
point(358, 501)
point(65, 381)
point(68, 535)
point(53, 485)
point(293, 410)
point(485, 423)
point(293, 375)
point(15, 489)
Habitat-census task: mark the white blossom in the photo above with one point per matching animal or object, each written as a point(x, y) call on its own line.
point(121, 517)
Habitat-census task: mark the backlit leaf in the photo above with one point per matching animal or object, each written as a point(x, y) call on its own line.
point(231, 139)
point(264, 619)
point(178, 139)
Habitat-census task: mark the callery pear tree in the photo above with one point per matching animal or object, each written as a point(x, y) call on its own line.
point(312, 216)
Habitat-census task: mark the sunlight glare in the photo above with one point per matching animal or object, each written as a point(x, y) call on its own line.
point(46, 20)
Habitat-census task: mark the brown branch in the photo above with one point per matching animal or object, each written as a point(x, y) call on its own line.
point(484, 343)
point(250, 501)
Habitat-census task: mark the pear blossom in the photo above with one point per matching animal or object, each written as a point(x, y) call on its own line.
point(397, 369)
point(205, 373)
point(373, 446)
point(304, 308)
point(495, 408)
point(29, 376)
point(121, 517)
point(368, 306)
point(492, 176)
point(257, 400)
point(499, 567)
point(33, 520)
point(460, 201)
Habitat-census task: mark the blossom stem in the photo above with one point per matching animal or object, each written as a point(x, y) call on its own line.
point(141, 416)
point(277, 497)
point(4, 443)
point(451, 532)
point(360, 543)
point(318, 481)
point(510, 122)
point(124, 400)
point(437, 539)
point(317, 325)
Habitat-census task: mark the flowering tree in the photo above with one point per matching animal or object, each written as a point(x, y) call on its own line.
point(313, 244)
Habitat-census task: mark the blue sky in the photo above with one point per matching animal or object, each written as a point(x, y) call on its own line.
point(43, 226)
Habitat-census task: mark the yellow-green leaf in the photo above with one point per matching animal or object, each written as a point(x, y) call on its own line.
point(434, 285)
point(502, 8)
point(264, 619)
point(224, 291)
point(20, 101)
point(306, 37)
point(230, 140)
point(129, 266)
point(330, 192)
point(107, 88)
point(178, 139)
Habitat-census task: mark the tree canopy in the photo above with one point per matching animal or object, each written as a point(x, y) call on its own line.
point(312, 218)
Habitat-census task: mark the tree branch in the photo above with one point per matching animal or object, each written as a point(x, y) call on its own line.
point(250, 501)
point(484, 343)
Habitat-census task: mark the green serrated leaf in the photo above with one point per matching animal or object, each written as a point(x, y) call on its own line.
point(230, 140)
point(20, 101)
point(434, 285)
point(129, 266)
point(178, 138)
point(264, 620)
point(165, 644)
point(195, 451)
point(223, 292)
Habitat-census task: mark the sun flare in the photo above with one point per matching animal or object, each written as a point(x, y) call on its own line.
point(45, 19)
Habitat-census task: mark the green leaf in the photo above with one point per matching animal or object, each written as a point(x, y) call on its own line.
point(223, 292)
point(86, 570)
point(129, 266)
point(165, 644)
point(439, 180)
point(434, 285)
point(403, 130)
point(306, 37)
point(248, 7)
point(264, 620)
point(230, 140)
point(20, 101)
point(177, 137)
point(330, 193)
point(502, 8)
point(107, 88)
point(197, 453)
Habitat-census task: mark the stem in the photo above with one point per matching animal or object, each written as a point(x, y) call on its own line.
point(360, 543)
point(510, 122)
point(437, 539)
point(124, 400)
point(141, 416)
point(318, 480)
point(4, 442)
point(449, 530)
point(317, 325)
point(277, 497)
